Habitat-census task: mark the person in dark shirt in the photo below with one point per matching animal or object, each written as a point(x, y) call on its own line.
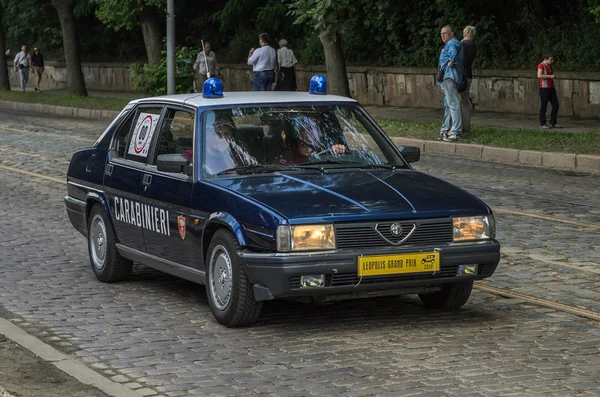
point(309, 141)
point(469, 55)
point(37, 61)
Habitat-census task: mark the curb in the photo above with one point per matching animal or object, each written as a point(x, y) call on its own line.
point(59, 110)
point(560, 161)
point(63, 362)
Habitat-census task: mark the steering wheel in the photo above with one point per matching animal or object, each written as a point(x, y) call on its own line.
point(331, 151)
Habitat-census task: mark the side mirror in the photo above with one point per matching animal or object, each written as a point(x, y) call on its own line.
point(411, 154)
point(173, 163)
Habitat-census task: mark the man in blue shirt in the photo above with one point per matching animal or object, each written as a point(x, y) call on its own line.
point(264, 63)
point(450, 64)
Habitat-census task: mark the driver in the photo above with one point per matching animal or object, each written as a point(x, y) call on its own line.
point(309, 143)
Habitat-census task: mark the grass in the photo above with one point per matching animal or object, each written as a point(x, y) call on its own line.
point(59, 99)
point(546, 141)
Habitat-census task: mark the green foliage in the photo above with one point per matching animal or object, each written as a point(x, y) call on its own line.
point(119, 14)
point(152, 79)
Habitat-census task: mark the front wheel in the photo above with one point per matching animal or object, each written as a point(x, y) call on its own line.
point(451, 296)
point(108, 265)
point(229, 292)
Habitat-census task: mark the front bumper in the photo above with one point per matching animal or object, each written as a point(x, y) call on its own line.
point(278, 275)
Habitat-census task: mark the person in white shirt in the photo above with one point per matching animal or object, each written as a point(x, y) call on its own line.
point(206, 63)
point(264, 62)
point(287, 62)
point(22, 63)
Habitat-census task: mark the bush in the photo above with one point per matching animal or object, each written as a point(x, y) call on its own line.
point(152, 79)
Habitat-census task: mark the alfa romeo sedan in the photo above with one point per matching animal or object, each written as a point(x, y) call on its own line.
point(270, 195)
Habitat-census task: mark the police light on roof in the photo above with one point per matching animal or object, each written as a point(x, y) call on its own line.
point(318, 85)
point(212, 88)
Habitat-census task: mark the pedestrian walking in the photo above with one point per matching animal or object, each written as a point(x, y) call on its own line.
point(286, 61)
point(547, 92)
point(37, 62)
point(469, 51)
point(264, 62)
point(22, 63)
point(449, 76)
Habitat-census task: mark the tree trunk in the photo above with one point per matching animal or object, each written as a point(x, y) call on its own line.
point(4, 81)
point(337, 79)
point(75, 81)
point(152, 35)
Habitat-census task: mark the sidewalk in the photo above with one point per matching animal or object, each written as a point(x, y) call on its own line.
point(502, 120)
point(562, 161)
point(422, 115)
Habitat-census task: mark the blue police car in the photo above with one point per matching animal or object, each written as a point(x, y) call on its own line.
point(272, 195)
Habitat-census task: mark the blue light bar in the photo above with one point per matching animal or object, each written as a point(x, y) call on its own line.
point(318, 85)
point(212, 88)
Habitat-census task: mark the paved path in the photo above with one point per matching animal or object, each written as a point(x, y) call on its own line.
point(154, 333)
point(511, 121)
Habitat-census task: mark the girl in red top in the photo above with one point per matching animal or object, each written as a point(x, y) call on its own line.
point(547, 91)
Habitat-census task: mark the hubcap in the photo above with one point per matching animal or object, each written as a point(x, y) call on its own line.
point(220, 274)
point(98, 242)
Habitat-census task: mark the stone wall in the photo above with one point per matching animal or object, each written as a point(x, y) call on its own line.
point(512, 91)
point(98, 76)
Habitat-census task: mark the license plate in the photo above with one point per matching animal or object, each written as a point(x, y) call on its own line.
point(382, 265)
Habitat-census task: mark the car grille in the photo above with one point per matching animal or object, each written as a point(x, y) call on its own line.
point(376, 235)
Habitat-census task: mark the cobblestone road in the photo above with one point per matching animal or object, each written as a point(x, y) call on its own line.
point(154, 333)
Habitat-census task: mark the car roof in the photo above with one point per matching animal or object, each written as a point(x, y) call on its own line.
point(245, 98)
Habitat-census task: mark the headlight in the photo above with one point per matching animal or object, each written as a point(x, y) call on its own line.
point(474, 228)
point(305, 238)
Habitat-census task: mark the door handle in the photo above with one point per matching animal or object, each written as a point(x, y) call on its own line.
point(109, 169)
point(147, 180)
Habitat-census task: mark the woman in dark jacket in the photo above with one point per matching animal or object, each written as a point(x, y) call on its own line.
point(37, 61)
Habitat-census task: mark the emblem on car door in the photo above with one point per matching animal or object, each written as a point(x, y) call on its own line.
point(181, 226)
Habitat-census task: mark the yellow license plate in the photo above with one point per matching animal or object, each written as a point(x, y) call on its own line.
point(382, 265)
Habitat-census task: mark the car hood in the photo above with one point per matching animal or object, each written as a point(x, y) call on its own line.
point(402, 194)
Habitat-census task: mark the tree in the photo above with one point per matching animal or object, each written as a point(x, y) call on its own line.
point(75, 81)
point(4, 81)
point(326, 17)
point(120, 14)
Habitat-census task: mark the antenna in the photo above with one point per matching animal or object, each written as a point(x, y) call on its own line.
point(205, 61)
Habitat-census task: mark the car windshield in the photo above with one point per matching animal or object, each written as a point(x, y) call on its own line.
point(302, 137)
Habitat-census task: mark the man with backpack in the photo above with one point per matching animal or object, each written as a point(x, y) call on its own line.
point(450, 76)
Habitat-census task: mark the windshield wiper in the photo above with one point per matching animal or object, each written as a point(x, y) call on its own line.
point(257, 168)
point(320, 162)
point(353, 164)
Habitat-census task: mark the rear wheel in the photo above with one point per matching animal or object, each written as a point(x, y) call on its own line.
point(229, 292)
point(451, 296)
point(107, 264)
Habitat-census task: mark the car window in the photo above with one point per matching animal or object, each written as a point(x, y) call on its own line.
point(176, 135)
point(139, 139)
point(122, 137)
point(357, 138)
point(272, 138)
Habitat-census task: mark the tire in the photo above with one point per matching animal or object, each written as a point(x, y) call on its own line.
point(229, 292)
point(451, 296)
point(107, 264)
